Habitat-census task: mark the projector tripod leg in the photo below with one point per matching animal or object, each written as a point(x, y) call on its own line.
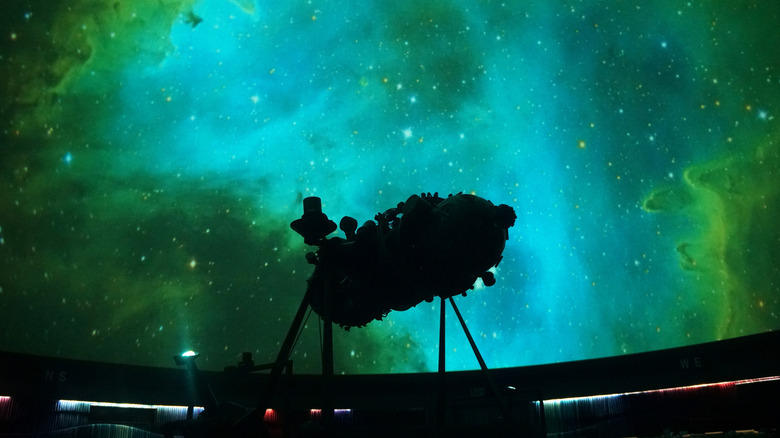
point(328, 414)
point(441, 411)
point(491, 382)
point(282, 361)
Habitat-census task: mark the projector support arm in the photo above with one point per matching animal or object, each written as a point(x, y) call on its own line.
point(442, 368)
point(328, 415)
point(441, 411)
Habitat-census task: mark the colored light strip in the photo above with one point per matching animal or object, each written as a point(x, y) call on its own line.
point(126, 405)
point(679, 388)
point(343, 411)
point(756, 380)
point(337, 411)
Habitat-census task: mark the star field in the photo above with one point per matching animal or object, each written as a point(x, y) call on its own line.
point(153, 156)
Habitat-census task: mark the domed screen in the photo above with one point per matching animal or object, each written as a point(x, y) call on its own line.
point(154, 154)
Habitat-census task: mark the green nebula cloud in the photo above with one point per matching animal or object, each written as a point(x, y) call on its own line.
point(733, 239)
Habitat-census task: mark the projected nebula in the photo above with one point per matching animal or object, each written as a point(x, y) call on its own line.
point(154, 154)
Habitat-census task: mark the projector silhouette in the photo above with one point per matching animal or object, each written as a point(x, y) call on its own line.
point(426, 246)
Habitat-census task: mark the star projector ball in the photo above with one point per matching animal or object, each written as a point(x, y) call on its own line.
point(424, 247)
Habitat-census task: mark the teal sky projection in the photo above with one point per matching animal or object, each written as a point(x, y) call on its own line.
point(154, 153)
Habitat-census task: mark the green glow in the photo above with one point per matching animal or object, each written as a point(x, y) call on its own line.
point(733, 240)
